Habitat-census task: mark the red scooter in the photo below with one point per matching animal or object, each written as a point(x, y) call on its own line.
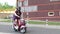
point(21, 26)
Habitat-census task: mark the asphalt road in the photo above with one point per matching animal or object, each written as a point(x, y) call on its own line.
point(7, 29)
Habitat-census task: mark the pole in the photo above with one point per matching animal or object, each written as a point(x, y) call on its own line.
point(46, 22)
point(22, 11)
point(27, 17)
point(16, 3)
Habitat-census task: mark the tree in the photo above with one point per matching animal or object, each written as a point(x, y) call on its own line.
point(1, 7)
point(6, 7)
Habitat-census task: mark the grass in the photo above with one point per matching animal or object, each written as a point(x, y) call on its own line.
point(33, 22)
point(5, 20)
point(36, 22)
point(54, 23)
point(43, 22)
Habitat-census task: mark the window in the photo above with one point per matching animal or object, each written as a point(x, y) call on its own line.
point(29, 8)
point(50, 13)
point(54, 0)
point(19, 3)
point(25, 2)
point(32, 8)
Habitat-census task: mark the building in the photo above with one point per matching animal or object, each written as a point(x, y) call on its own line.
point(40, 9)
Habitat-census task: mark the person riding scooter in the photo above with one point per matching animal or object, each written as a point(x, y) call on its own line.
point(17, 16)
point(19, 24)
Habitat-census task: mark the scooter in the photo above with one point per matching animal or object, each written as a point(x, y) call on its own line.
point(21, 27)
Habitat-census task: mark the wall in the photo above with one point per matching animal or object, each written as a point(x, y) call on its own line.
point(35, 2)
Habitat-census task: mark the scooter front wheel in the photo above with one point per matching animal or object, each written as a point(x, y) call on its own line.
point(15, 29)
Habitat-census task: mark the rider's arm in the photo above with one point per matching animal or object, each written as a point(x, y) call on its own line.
point(16, 15)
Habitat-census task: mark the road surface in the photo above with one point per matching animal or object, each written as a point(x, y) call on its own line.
point(7, 29)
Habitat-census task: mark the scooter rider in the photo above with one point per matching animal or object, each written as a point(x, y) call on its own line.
point(17, 15)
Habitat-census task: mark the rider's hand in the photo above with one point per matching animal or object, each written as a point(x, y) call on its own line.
point(18, 16)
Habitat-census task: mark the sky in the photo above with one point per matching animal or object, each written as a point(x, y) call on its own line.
point(10, 2)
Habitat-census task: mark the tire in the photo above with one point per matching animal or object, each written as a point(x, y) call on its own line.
point(15, 29)
point(24, 31)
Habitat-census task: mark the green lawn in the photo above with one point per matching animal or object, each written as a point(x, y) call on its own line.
point(43, 22)
point(36, 22)
point(5, 20)
point(54, 23)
